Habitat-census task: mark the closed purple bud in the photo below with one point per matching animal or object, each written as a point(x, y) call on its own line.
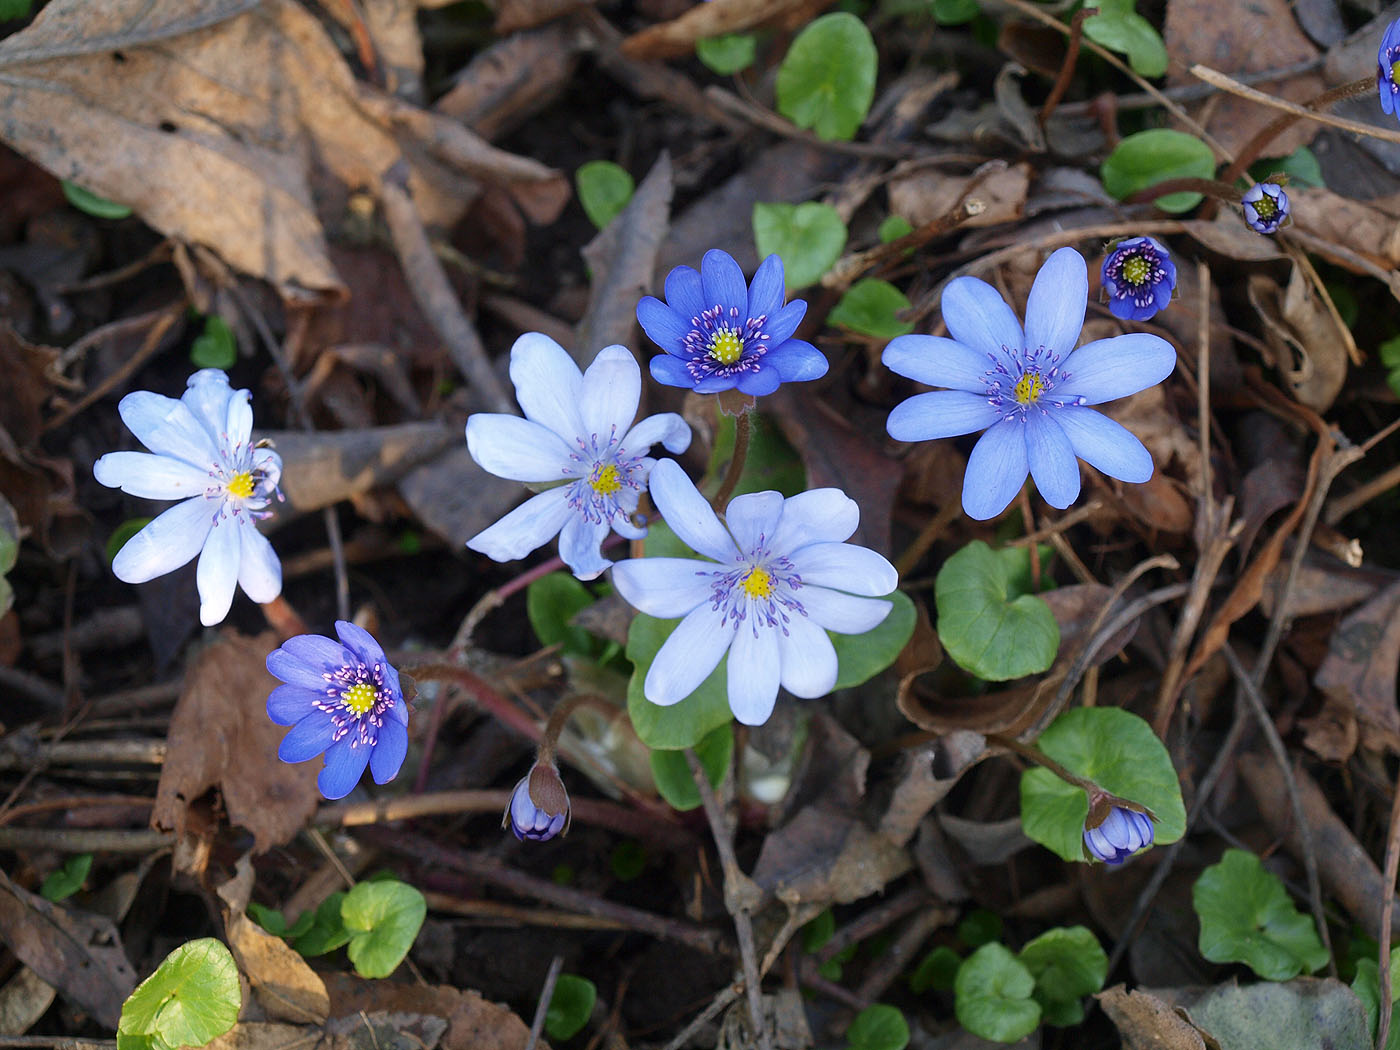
point(1122, 833)
point(539, 805)
point(1265, 206)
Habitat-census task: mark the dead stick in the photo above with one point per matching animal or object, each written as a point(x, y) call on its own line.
point(1392, 860)
point(542, 1008)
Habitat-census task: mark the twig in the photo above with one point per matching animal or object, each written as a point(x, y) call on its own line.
point(160, 321)
point(1076, 34)
point(1196, 92)
point(725, 996)
point(1363, 494)
point(885, 969)
point(1392, 861)
point(873, 920)
point(87, 752)
point(758, 116)
point(542, 1008)
point(927, 537)
point(84, 840)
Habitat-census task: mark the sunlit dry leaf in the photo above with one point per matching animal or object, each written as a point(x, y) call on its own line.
point(512, 80)
point(823, 856)
point(220, 736)
point(1361, 663)
point(473, 1023)
point(1147, 1023)
point(716, 18)
point(1368, 227)
point(920, 194)
point(24, 999)
point(1309, 347)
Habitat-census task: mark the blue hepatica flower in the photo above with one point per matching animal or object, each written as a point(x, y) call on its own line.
point(341, 698)
point(539, 805)
point(1265, 206)
point(1123, 833)
point(577, 431)
point(1387, 59)
point(1139, 278)
point(202, 453)
point(780, 576)
point(720, 333)
point(1030, 390)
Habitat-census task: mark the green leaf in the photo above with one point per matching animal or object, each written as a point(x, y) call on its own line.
point(955, 12)
point(827, 80)
point(983, 625)
point(1116, 750)
point(1300, 166)
point(550, 603)
point(570, 1006)
point(1390, 357)
point(860, 657)
point(87, 201)
point(327, 931)
point(978, 927)
point(9, 536)
point(681, 725)
point(771, 464)
point(878, 1027)
point(817, 932)
point(68, 879)
point(1367, 986)
point(893, 227)
point(216, 348)
point(869, 307)
point(1119, 28)
point(1149, 157)
point(993, 995)
point(383, 920)
point(1246, 916)
point(671, 771)
point(1067, 963)
point(627, 860)
point(12, 9)
point(938, 969)
point(809, 238)
point(270, 919)
point(604, 189)
point(191, 999)
point(727, 54)
point(122, 533)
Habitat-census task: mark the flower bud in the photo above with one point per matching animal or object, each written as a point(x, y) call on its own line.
point(1138, 277)
point(1265, 206)
point(539, 805)
point(1118, 836)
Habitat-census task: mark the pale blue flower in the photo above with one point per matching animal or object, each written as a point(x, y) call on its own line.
point(779, 577)
point(201, 452)
point(341, 698)
point(577, 435)
point(1123, 833)
point(1030, 390)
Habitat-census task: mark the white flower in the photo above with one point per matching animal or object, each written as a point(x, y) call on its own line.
point(200, 453)
point(575, 431)
point(784, 578)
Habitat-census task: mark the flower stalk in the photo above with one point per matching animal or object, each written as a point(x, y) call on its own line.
point(742, 429)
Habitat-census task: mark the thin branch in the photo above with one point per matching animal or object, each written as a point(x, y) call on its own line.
point(542, 1008)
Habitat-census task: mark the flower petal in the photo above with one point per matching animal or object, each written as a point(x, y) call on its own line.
point(940, 414)
point(308, 738)
point(807, 659)
point(996, 470)
point(168, 428)
point(684, 293)
point(1055, 309)
point(297, 671)
point(360, 642)
point(518, 449)
point(207, 395)
point(1105, 445)
point(1116, 367)
point(612, 389)
point(843, 613)
point(1052, 461)
point(815, 516)
point(664, 587)
point(767, 291)
point(532, 524)
point(259, 571)
point(779, 327)
point(315, 651)
point(797, 361)
point(238, 425)
point(580, 546)
point(845, 567)
point(547, 384)
point(150, 476)
point(753, 673)
point(670, 371)
point(938, 362)
point(761, 382)
point(722, 284)
point(386, 759)
point(289, 704)
point(217, 572)
point(688, 514)
point(175, 537)
point(662, 324)
point(345, 764)
point(686, 659)
point(753, 516)
point(665, 428)
point(978, 317)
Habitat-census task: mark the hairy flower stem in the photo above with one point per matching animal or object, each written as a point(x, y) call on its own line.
point(1040, 758)
point(1216, 188)
point(736, 463)
point(562, 710)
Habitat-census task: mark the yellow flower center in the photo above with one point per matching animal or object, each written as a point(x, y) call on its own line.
point(359, 698)
point(240, 486)
point(1265, 207)
point(1029, 388)
point(758, 584)
point(1395, 70)
point(725, 346)
point(1135, 270)
point(605, 480)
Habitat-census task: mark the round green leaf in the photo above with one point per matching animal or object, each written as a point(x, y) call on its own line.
point(191, 999)
point(550, 603)
point(1300, 166)
point(817, 932)
point(216, 347)
point(570, 1006)
point(122, 533)
point(628, 860)
point(1119, 28)
point(1149, 157)
point(9, 535)
point(978, 927)
point(681, 725)
point(869, 307)
point(1067, 964)
point(984, 626)
point(878, 1027)
point(860, 657)
point(993, 995)
point(87, 201)
point(10, 9)
point(1246, 916)
point(68, 879)
point(955, 12)
point(893, 227)
point(771, 464)
point(1116, 750)
point(938, 969)
point(327, 931)
point(727, 54)
point(1367, 986)
point(604, 189)
point(809, 238)
point(671, 771)
point(827, 80)
point(383, 920)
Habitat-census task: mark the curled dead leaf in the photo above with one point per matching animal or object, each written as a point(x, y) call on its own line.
point(1309, 344)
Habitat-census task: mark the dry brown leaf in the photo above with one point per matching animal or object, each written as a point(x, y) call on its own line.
point(1361, 662)
point(1147, 1023)
point(1332, 734)
point(220, 736)
point(1367, 227)
point(473, 1023)
point(824, 856)
point(920, 194)
point(24, 999)
point(515, 15)
point(1308, 343)
point(512, 80)
point(1322, 585)
point(1230, 236)
point(716, 18)
point(454, 497)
